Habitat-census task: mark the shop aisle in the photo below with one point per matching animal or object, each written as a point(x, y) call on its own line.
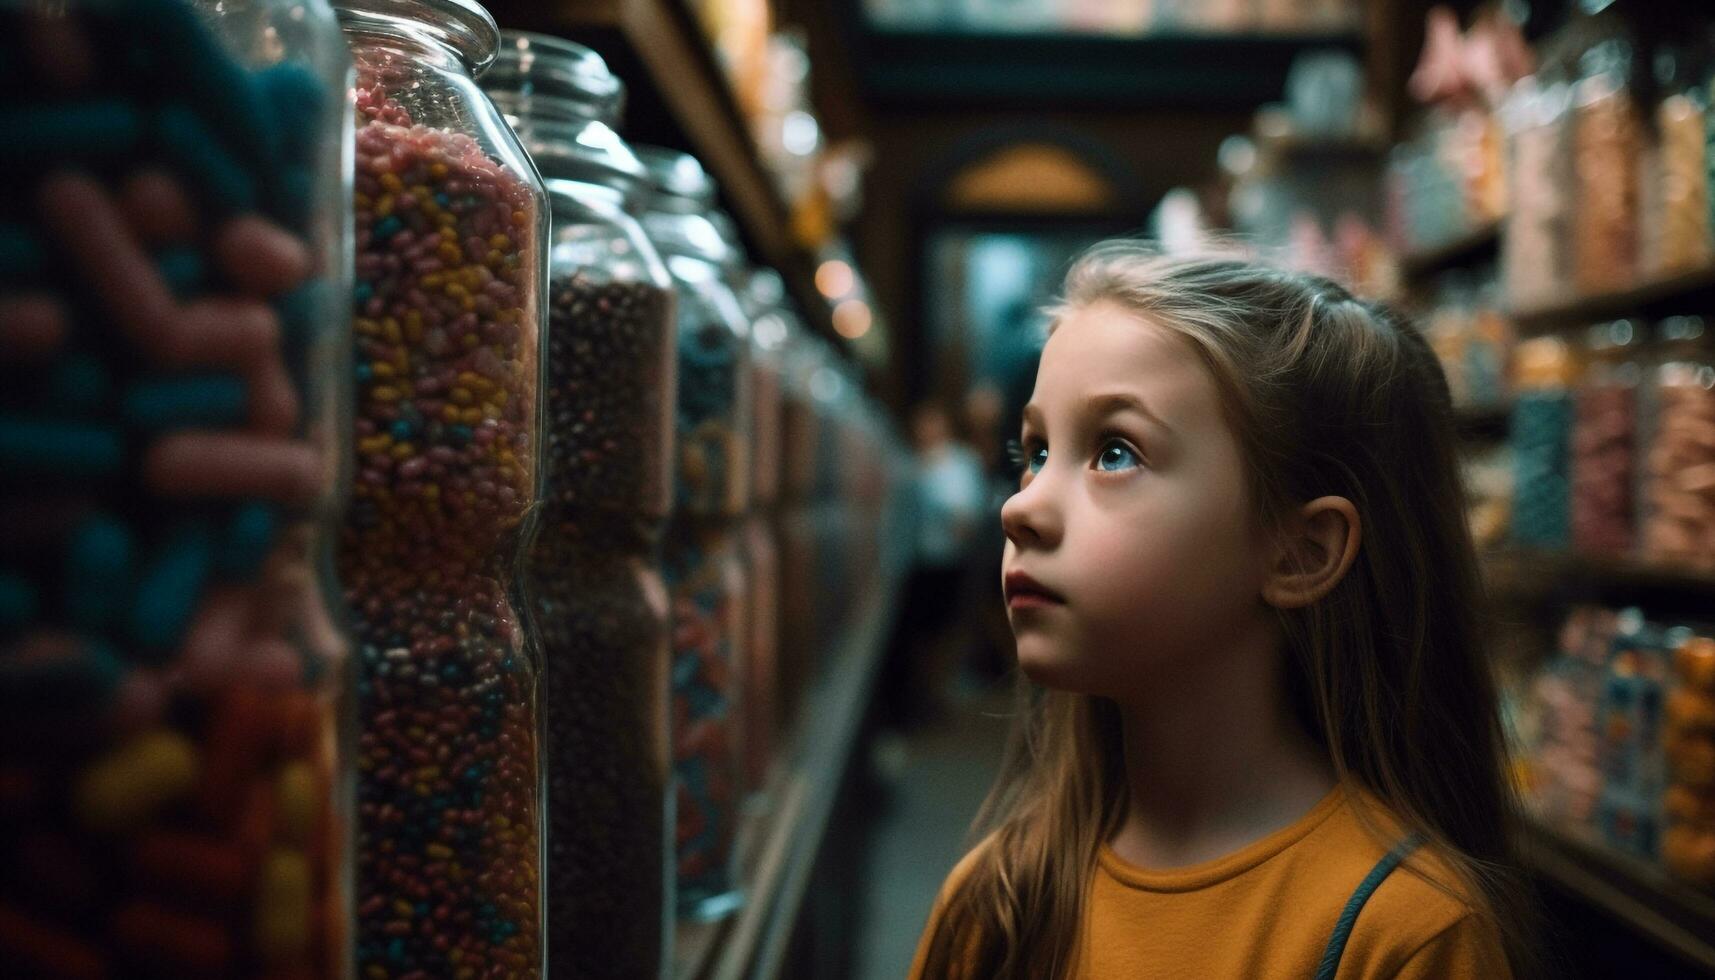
point(928, 787)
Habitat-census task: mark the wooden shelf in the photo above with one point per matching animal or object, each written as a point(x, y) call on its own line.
point(678, 95)
point(782, 843)
point(1669, 912)
point(914, 69)
point(1475, 245)
point(1676, 294)
point(1547, 576)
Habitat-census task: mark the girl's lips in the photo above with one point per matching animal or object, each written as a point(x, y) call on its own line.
point(1024, 592)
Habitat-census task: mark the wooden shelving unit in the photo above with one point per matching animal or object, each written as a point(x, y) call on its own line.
point(1671, 913)
point(1547, 575)
point(678, 95)
point(1667, 296)
point(1463, 250)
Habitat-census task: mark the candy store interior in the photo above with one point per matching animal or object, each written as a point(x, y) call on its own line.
point(330, 647)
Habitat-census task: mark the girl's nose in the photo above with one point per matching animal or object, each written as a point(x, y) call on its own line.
point(1030, 518)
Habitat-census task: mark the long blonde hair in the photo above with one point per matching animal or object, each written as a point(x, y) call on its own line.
point(1327, 395)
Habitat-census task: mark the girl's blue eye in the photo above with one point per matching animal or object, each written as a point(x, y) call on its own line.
point(1023, 459)
point(1116, 456)
point(1038, 459)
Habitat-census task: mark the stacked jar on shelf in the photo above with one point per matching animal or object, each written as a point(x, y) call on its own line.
point(704, 558)
point(595, 589)
point(172, 768)
point(1544, 369)
point(765, 300)
point(1605, 428)
point(1677, 490)
point(799, 434)
point(449, 308)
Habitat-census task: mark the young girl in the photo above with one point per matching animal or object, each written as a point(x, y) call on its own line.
point(1237, 564)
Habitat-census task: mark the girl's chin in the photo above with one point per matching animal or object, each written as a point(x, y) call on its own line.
point(1046, 663)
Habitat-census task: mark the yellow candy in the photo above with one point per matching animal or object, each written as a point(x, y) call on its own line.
point(130, 784)
point(296, 794)
point(283, 899)
point(392, 183)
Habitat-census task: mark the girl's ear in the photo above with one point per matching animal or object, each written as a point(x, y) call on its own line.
point(1313, 553)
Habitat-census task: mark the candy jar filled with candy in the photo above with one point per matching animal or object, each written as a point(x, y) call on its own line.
point(449, 309)
point(1536, 250)
point(765, 300)
point(1607, 151)
point(1541, 428)
point(704, 551)
point(595, 586)
point(173, 784)
point(1604, 439)
point(1681, 237)
point(1677, 489)
point(1688, 846)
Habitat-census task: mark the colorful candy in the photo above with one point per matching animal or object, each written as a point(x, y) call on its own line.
point(448, 323)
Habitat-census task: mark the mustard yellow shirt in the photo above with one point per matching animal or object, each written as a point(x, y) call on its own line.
point(1268, 910)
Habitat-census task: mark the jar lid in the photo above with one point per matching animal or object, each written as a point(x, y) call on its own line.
point(462, 26)
point(677, 175)
point(545, 76)
point(1680, 329)
point(587, 153)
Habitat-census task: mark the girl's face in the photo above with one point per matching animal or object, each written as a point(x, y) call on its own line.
point(1129, 543)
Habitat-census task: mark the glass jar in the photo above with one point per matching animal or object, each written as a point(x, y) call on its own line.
point(1604, 440)
point(798, 437)
point(1535, 251)
point(1688, 845)
point(765, 297)
point(704, 550)
point(598, 600)
point(1677, 490)
point(1681, 240)
point(1607, 147)
point(450, 309)
point(1541, 435)
point(174, 784)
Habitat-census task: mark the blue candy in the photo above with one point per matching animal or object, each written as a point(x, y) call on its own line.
point(100, 130)
point(18, 602)
point(171, 586)
point(247, 539)
point(100, 560)
point(225, 92)
point(298, 98)
point(183, 270)
point(204, 160)
point(198, 400)
point(40, 447)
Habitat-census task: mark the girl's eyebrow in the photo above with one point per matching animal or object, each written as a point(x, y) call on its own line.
point(1103, 404)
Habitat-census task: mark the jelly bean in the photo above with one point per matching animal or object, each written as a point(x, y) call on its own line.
point(216, 638)
point(225, 91)
point(224, 185)
point(38, 949)
point(87, 224)
point(100, 559)
point(259, 258)
point(35, 448)
point(57, 673)
point(30, 326)
point(193, 866)
point(182, 268)
point(79, 385)
point(102, 130)
point(257, 817)
point(216, 464)
point(297, 802)
point(283, 908)
point(170, 585)
point(216, 332)
point(19, 602)
point(239, 738)
point(134, 781)
point(21, 255)
point(180, 402)
point(273, 399)
point(168, 939)
point(247, 539)
point(297, 97)
point(156, 206)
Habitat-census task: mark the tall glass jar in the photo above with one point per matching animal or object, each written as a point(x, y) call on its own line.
point(799, 427)
point(1604, 440)
point(1536, 249)
point(595, 585)
point(450, 309)
point(1682, 238)
point(704, 552)
point(765, 296)
point(1677, 491)
point(1607, 150)
point(174, 781)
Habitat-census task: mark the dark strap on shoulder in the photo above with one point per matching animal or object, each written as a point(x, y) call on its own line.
point(1343, 929)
